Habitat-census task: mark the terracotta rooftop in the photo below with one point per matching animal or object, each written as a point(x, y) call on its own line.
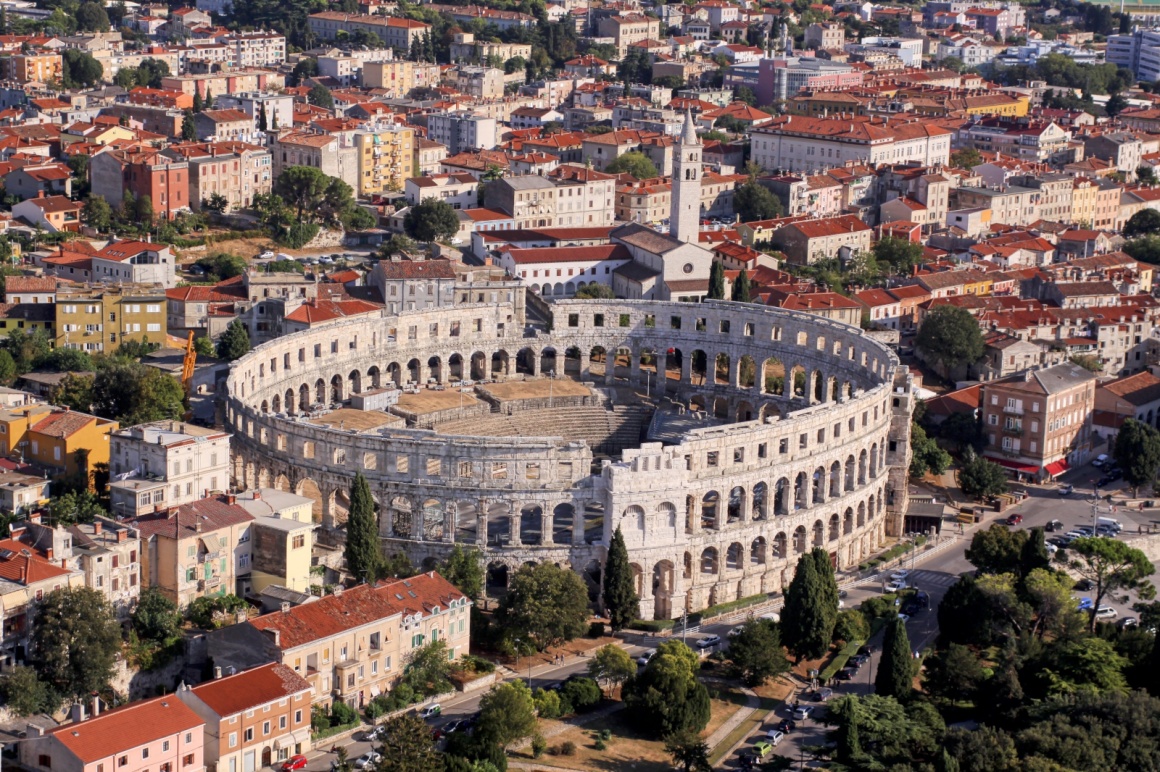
point(188, 520)
point(250, 689)
point(128, 727)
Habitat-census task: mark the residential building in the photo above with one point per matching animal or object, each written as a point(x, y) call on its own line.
point(1121, 149)
point(51, 436)
point(809, 241)
point(1133, 396)
point(826, 34)
point(479, 81)
point(281, 545)
point(279, 107)
point(196, 550)
point(254, 719)
point(30, 289)
point(235, 170)
point(100, 319)
point(386, 158)
point(354, 644)
point(462, 131)
point(21, 492)
point(228, 125)
point(324, 311)
point(55, 214)
point(628, 29)
point(413, 285)
point(39, 179)
point(1011, 205)
point(804, 143)
point(159, 734)
point(142, 172)
point(258, 48)
point(165, 464)
point(465, 47)
point(1138, 51)
point(325, 152)
point(459, 190)
point(883, 310)
point(1026, 138)
point(1038, 424)
point(27, 577)
point(394, 31)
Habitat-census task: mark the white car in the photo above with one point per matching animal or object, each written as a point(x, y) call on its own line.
point(896, 585)
point(708, 643)
point(736, 631)
point(901, 573)
point(773, 737)
point(644, 658)
point(368, 759)
point(772, 617)
point(284, 256)
point(1106, 612)
point(904, 617)
point(802, 712)
point(267, 255)
point(1101, 459)
point(431, 711)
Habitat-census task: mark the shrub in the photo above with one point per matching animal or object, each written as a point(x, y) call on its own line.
point(606, 734)
point(539, 745)
point(341, 713)
point(319, 721)
point(596, 630)
point(851, 626)
point(862, 566)
point(582, 693)
point(299, 235)
point(547, 703)
point(650, 625)
point(404, 695)
point(568, 748)
point(599, 745)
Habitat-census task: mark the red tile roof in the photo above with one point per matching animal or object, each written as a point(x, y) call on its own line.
point(17, 284)
point(251, 689)
point(189, 519)
point(325, 310)
point(358, 606)
point(131, 726)
point(19, 564)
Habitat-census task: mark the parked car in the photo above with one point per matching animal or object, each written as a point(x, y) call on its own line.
point(762, 749)
point(1015, 519)
point(904, 617)
point(431, 711)
point(846, 675)
point(896, 585)
point(459, 725)
point(1106, 612)
point(1066, 490)
point(860, 659)
point(1100, 460)
point(901, 573)
point(1127, 622)
point(646, 656)
point(736, 631)
point(294, 762)
point(1054, 525)
point(267, 255)
point(774, 737)
point(709, 642)
point(772, 617)
point(368, 759)
point(802, 712)
point(824, 694)
point(911, 607)
point(786, 725)
point(1085, 604)
point(1085, 585)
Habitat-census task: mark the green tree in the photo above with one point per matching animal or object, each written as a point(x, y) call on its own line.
point(222, 265)
point(1114, 567)
point(234, 342)
point(464, 569)
point(953, 674)
point(1137, 453)
point(75, 641)
point(156, 617)
point(808, 618)
point(666, 697)
point(895, 675)
point(716, 281)
point(188, 128)
point(1145, 248)
point(1143, 222)
point(204, 346)
point(320, 96)
point(753, 201)
point(926, 455)
point(966, 158)
point(431, 220)
point(979, 478)
point(689, 751)
point(408, 745)
point(133, 393)
point(611, 665)
point(1034, 553)
point(983, 749)
point(635, 163)
point(143, 210)
point(1088, 663)
point(74, 392)
point(742, 290)
point(7, 367)
point(65, 360)
point(621, 603)
point(79, 68)
point(26, 694)
point(363, 557)
point(303, 188)
point(545, 605)
point(756, 652)
point(263, 123)
point(97, 213)
point(851, 625)
point(1115, 105)
point(594, 291)
point(507, 713)
point(950, 335)
point(997, 550)
point(428, 667)
point(198, 102)
point(900, 254)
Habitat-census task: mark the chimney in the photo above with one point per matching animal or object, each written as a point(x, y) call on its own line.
point(231, 498)
point(217, 673)
point(77, 713)
point(257, 495)
point(48, 553)
point(285, 607)
point(338, 590)
point(122, 535)
point(98, 526)
point(96, 709)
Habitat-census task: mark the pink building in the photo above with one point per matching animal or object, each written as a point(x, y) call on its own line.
point(158, 735)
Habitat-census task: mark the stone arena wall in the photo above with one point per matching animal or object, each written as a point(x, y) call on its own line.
point(815, 456)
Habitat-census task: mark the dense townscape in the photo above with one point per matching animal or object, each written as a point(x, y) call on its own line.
point(390, 386)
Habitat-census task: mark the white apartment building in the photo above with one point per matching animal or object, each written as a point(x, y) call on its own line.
point(459, 189)
point(165, 464)
point(462, 131)
point(256, 49)
point(1138, 50)
point(812, 144)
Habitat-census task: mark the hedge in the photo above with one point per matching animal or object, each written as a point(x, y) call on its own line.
point(725, 608)
point(840, 659)
point(652, 625)
point(331, 731)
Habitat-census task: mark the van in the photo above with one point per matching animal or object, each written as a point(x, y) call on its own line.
point(1110, 522)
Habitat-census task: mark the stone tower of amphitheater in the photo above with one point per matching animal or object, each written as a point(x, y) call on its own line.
point(722, 439)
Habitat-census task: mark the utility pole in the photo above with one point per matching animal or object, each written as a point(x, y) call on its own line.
point(684, 626)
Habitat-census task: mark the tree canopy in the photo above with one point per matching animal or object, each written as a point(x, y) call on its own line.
point(545, 605)
point(621, 603)
point(950, 335)
point(666, 698)
point(1141, 223)
point(431, 220)
point(361, 550)
point(753, 201)
point(1114, 567)
point(1137, 453)
point(635, 163)
point(980, 478)
point(809, 615)
point(75, 641)
point(234, 342)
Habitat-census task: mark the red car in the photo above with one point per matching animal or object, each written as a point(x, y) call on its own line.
point(293, 763)
point(1014, 519)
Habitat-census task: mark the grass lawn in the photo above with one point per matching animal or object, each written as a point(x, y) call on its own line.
point(628, 749)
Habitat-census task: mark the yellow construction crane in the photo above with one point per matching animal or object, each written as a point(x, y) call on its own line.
point(187, 373)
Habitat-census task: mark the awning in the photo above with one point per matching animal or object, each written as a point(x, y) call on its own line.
point(290, 739)
point(374, 690)
point(1056, 468)
point(1018, 467)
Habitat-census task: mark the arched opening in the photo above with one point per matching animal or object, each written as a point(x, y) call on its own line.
point(634, 518)
point(466, 522)
point(834, 527)
point(433, 525)
point(835, 479)
point(697, 403)
point(525, 362)
point(667, 515)
point(799, 540)
point(288, 402)
point(662, 589)
point(320, 391)
point(709, 510)
point(414, 371)
point(593, 522)
point(572, 361)
point(674, 359)
point(819, 533)
point(499, 524)
point(265, 406)
point(597, 361)
point(819, 386)
point(781, 497)
point(773, 377)
point(499, 364)
point(861, 514)
point(746, 372)
point(637, 579)
point(355, 382)
point(563, 517)
point(734, 556)
point(833, 390)
point(478, 366)
point(862, 468)
point(336, 387)
point(497, 575)
point(848, 522)
point(281, 483)
point(849, 474)
point(401, 518)
point(721, 408)
point(687, 572)
point(780, 546)
point(760, 501)
point(304, 400)
point(709, 560)
point(873, 461)
point(375, 377)
point(276, 403)
point(548, 362)
point(799, 382)
point(819, 486)
point(801, 491)
point(745, 411)
point(434, 369)
point(395, 374)
point(721, 370)
point(455, 367)
point(757, 551)
point(736, 505)
point(531, 524)
point(309, 489)
point(697, 365)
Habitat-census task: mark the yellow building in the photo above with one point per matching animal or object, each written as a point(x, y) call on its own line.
point(397, 76)
point(386, 158)
point(101, 320)
point(51, 436)
point(283, 538)
point(994, 104)
point(1083, 202)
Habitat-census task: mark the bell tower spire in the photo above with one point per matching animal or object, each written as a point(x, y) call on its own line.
point(685, 212)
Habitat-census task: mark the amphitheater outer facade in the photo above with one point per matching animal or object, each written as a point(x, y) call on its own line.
point(722, 514)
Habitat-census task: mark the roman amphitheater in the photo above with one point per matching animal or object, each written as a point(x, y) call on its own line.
point(767, 433)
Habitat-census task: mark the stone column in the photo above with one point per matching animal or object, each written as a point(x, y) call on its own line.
point(687, 367)
point(695, 518)
point(536, 364)
point(386, 514)
point(578, 525)
point(481, 523)
point(659, 381)
point(735, 371)
point(450, 516)
point(327, 509)
point(546, 530)
point(416, 520)
point(515, 530)
point(585, 366)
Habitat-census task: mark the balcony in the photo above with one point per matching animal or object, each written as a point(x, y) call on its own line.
point(1012, 410)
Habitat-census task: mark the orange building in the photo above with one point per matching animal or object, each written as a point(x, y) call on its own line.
point(159, 97)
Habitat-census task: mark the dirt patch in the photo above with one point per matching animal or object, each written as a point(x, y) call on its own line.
point(574, 648)
point(777, 689)
point(534, 389)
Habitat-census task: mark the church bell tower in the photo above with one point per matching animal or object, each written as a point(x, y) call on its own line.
point(685, 212)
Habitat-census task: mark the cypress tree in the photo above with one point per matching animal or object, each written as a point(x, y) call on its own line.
point(828, 608)
point(717, 281)
point(208, 99)
point(1034, 553)
point(620, 600)
point(363, 557)
point(895, 677)
point(742, 290)
point(262, 125)
point(804, 628)
point(198, 103)
point(234, 342)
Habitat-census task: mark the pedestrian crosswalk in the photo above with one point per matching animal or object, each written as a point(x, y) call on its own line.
point(924, 579)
